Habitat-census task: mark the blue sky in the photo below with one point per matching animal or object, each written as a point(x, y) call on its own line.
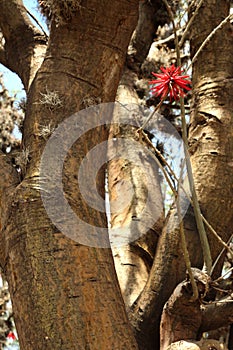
point(11, 80)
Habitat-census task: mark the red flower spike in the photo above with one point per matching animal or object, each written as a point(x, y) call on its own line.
point(11, 336)
point(170, 83)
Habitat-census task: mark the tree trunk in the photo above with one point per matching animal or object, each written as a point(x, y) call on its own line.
point(66, 295)
point(211, 120)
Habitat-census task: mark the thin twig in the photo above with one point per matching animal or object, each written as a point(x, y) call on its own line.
point(189, 24)
point(220, 254)
point(140, 131)
point(172, 173)
point(169, 10)
point(184, 246)
point(182, 233)
point(169, 38)
point(152, 114)
point(224, 301)
point(225, 274)
point(197, 212)
point(37, 22)
point(207, 40)
point(186, 10)
point(217, 236)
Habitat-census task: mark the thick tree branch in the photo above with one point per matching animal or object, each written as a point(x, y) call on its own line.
point(167, 271)
point(24, 43)
point(217, 315)
point(181, 316)
point(151, 15)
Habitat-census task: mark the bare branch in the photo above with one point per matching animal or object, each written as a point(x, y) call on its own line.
point(217, 315)
point(21, 40)
point(37, 22)
point(181, 317)
point(169, 38)
point(209, 37)
point(167, 271)
point(151, 15)
point(171, 172)
point(181, 43)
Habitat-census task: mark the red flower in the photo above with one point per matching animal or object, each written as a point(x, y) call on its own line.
point(11, 336)
point(170, 83)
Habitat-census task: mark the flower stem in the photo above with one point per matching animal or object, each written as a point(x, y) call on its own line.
point(197, 212)
point(185, 249)
point(152, 114)
point(211, 229)
point(196, 207)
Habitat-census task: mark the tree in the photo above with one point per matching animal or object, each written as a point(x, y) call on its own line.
point(66, 294)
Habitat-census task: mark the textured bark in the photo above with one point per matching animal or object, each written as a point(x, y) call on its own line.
point(66, 295)
point(25, 45)
point(151, 14)
point(9, 179)
point(211, 120)
point(217, 315)
point(182, 316)
point(58, 285)
point(212, 166)
point(135, 170)
point(167, 271)
point(133, 261)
